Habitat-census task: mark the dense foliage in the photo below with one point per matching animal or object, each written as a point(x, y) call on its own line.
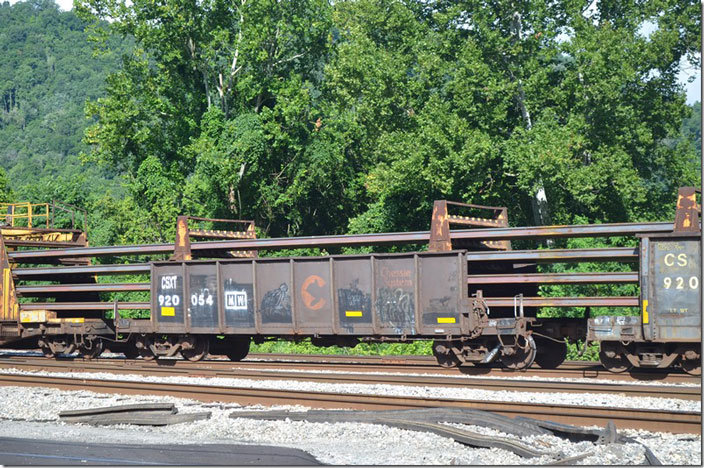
point(312, 117)
point(319, 117)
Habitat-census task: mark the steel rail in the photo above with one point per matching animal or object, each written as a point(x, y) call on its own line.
point(85, 306)
point(50, 272)
point(555, 278)
point(586, 230)
point(593, 301)
point(234, 370)
point(650, 420)
point(428, 364)
point(40, 243)
point(50, 289)
point(616, 254)
point(31, 274)
point(418, 364)
point(7, 230)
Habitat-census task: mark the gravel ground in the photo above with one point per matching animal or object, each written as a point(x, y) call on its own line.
point(33, 412)
point(580, 399)
point(519, 377)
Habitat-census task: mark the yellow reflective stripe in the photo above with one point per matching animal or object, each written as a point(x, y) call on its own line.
point(168, 311)
point(645, 311)
point(446, 320)
point(353, 313)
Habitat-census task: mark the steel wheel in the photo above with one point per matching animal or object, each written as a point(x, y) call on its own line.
point(93, 350)
point(237, 348)
point(198, 350)
point(692, 366)
point(143, 348)
point(523, 356)
point(47, 351)
point(442, 350)
point(613, 357)
point(130, 352)
point(550, 353)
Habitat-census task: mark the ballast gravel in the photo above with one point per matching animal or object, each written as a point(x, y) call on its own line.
point(556, 398)
point(33, 412)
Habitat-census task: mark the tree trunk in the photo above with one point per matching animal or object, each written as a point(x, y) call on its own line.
point(541, 213)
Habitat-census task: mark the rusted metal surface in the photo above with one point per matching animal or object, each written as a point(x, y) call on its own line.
point(556, 278)
point(671, 287)
point(615, 328)
point(182, 246)
point(418, 237)
point(43, 273)
point(184, 232)
point(440, 237)
point(8, 294)
point(84, 306)
point(51, 289)
point(397, 294)
point(615, 254)
point(688, 211)
point(651, 420)
point(39, 243)
point(603, 301)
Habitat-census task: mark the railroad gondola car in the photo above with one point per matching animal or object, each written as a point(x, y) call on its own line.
point(470, 293)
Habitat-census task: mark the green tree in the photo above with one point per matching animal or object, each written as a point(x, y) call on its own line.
point(692, 130)
point(496, 100)
point(210, 80)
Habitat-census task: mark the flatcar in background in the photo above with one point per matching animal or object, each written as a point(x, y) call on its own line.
point(470, 293)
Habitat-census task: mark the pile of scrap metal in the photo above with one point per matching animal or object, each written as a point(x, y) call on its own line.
point(147, 414)
point(437, 420)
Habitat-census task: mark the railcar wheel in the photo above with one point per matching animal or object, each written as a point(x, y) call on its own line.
point(47, 351)
point(522, 356)
point(613, 358)
point(442, 350)
point(92, 349)
point(130, 351)
point(197, 349)
point(237, 348)
point(692, 366)
point(550, 354)
point(53, 347)
point(143, 348)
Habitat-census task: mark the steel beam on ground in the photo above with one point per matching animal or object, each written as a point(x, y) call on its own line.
point(50, 272)
point(612, 301)
point(419, 237)
point(50, 289)
point(85, 306)
point(555, 278)
point(616, 254)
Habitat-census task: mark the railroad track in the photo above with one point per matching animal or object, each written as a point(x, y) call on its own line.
point(240, 370)
point(651, 420)
point(417, 364)
point(428, 364)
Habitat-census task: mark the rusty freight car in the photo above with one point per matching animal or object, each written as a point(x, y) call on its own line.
point(470, 293)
